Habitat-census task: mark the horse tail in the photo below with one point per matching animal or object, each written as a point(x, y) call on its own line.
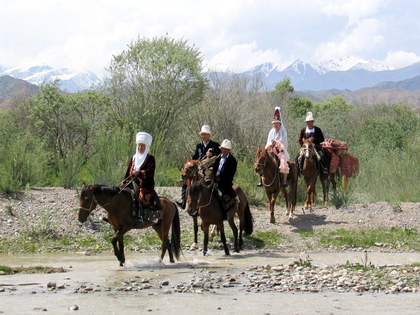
point(249, 220)
point(176, 234)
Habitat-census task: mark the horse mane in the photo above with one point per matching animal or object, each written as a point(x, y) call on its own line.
point(109, 190)
point(194, 188)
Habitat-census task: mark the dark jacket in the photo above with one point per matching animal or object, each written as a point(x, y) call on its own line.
point(317, 135)
point(200, 150)
point(145, 178)
point(225, 178)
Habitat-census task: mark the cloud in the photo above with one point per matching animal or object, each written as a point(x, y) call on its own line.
point(360, 40)
point(242, 57)
point(401, 59)
point(354, 10)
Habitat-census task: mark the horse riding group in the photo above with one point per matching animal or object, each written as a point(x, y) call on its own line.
point(208, 191)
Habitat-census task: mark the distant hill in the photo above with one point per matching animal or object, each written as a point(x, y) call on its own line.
point(412, 84)
point(12, 89)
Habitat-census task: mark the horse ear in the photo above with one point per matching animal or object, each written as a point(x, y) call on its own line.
point(83, 185)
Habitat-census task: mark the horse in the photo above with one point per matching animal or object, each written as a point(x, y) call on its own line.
point(266, 166)
point(118, 203)
point(310, 169)
point(191, 173)
point(203, 199)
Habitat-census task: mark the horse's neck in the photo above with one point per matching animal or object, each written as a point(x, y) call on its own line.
point(271, 168)
point(208, 196)
point(105, 196)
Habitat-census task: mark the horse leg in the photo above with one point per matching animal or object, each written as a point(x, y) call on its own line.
point(166, 244)
point(325, 187)
point(286, 199)
point(235, 234)
point(344, 182)
point(195, 224)
point(241, 216)
point(117, 241)
point(205, 227)
point(307, 192)
point(223, 237)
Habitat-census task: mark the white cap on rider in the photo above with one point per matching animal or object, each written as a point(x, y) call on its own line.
point(309, 116)
point(226, 144)
point(205, 129)
point(144, 137)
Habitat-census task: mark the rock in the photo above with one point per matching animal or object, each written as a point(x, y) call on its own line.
point(165, 282)
point(73, 307)
point(51, 285)
point(42, 309)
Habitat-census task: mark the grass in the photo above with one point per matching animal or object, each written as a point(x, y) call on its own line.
point(394, 237)
point(148, 240)
point(30, 270)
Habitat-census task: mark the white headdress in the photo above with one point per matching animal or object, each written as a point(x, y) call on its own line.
point(139, 158)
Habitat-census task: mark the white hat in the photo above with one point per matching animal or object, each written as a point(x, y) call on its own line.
point(309, 116)
point(144, 137)
point(277, 115)
point(205, 129)
point(226, 144)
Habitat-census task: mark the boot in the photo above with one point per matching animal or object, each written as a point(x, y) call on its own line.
point(136, 211)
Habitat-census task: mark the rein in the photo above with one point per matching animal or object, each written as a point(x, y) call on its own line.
point(210, 199)
point(276, 172)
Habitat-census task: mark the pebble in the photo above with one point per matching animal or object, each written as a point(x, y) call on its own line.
point(73, 307)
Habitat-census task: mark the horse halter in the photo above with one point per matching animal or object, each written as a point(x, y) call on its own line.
point(260, 166)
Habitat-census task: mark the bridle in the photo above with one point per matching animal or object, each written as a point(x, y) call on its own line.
point(199, 198)
point(258, 165)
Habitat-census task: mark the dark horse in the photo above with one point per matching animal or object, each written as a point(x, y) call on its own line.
point(310, 169)
point(266, 166)
point(118, 203)
point(191, 173)
point(204, 199)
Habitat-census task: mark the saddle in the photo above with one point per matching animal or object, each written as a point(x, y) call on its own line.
point(146, 207)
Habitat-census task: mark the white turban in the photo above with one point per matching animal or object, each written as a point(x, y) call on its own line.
point(139, 158)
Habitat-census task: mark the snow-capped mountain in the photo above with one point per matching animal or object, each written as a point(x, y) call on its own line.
point(345, 73)
point(69, 81)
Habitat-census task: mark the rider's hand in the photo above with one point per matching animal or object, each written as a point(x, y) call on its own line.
point(209, 154)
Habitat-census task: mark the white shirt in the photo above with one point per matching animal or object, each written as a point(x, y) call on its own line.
point(279, 136)
point(222, 162)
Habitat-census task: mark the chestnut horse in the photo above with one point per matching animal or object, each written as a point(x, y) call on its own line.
point(266, 166)
point(310, 169)
point(202, 198)
point(118, 203)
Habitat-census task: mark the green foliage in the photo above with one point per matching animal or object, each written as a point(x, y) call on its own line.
point(284, 87)
point(151, 83)
point(394, 236)
point(112, 152)
point(300, 106)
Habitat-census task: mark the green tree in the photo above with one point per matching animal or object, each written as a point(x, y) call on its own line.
point(152, 82)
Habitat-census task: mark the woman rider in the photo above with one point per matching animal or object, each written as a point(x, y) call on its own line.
point(141, 171)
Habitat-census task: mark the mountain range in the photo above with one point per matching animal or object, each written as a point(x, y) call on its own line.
point(69, 81)
point(344, 74)
point(360, 81)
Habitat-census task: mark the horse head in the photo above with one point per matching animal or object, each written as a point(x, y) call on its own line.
point(87, 202)
point(308, 148)
point(190, 170)
point(260, 160)
point(193, 198)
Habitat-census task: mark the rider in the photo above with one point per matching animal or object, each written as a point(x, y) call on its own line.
point(277, 143)
point(141, 171)
point(206, 148)
point(311, 131)
point(223, 172)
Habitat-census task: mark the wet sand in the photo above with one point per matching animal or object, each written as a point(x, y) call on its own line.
point(28, 293)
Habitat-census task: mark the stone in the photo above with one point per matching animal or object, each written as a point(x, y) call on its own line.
point(73, 307)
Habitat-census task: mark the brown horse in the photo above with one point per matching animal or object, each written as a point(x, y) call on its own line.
point(118, 203)
point(190, 175)
point(309, 161)
point(266, 166)
point(203, 199)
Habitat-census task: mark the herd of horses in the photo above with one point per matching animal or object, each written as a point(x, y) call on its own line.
point(203, 202)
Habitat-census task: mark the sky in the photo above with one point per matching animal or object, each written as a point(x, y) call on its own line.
point(233, 35)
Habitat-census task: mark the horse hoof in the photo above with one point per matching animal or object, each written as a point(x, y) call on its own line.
point(272, 220)
point(194, 246)
point(121, 264)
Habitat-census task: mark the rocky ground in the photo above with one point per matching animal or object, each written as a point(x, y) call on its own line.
point(59, 206)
